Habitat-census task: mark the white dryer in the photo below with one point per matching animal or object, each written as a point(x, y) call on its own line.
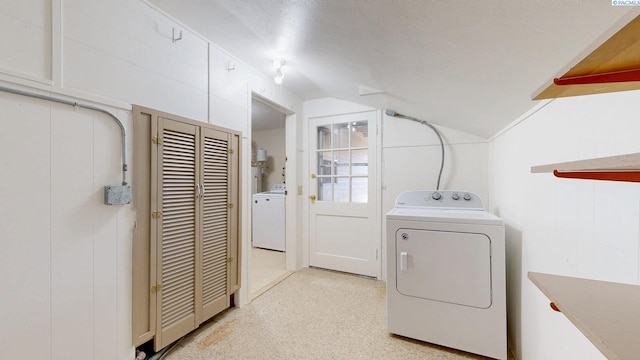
point(446, 272)
point(268, 224)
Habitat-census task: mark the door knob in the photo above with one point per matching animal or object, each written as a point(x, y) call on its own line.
point(313, 176)
point(312, 197)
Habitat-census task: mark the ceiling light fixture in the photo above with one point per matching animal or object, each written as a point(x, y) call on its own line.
point(279, 76)
point(279, 65)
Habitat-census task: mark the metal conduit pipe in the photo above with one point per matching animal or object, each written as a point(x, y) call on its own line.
point(396, 114)
point(84, 106)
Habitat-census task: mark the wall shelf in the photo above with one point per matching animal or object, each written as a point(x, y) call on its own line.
point(610, 64)
point(607, 313)
point(612, 168)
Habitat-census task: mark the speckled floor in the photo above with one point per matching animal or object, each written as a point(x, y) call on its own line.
point(312, 314)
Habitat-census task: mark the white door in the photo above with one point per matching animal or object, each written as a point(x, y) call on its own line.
point(343, 234)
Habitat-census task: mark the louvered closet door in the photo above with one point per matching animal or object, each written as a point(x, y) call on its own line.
point(215, 221)
point(179, 303)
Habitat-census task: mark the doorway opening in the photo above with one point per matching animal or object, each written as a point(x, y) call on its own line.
point(268, 210)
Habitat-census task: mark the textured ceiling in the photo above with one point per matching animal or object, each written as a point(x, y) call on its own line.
point(469, 65)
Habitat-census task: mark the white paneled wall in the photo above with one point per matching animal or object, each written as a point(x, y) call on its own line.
point(72, 243)
point(122, 50)
point(229, 84)
point(25, 229)
point(61, 247)
point(411, 159)
point(26, 39)
point(569, 227)
point(65, 257)
point(229, 98)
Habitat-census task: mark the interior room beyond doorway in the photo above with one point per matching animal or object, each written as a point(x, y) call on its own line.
point(268, 169)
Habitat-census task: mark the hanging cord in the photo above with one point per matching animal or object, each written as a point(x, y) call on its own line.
point(395, 114)
point(163, 353)
point(84, 106)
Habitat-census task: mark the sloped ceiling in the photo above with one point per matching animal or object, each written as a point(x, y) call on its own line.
point(465, 64)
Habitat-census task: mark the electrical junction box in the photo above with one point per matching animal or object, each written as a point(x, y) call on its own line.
point(117, 195)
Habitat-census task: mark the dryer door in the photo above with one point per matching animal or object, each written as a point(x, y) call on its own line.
point(451, 267)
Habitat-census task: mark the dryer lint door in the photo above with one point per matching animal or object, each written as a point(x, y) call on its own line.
point(451, 267)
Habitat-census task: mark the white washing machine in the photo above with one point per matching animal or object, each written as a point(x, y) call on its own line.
point(268, 213)
point(446, 272)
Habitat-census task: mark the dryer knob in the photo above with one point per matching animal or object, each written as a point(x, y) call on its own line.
point(436, 196)
point(455, 196)
point(467, 197)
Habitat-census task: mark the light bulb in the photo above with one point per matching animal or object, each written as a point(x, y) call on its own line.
point(279, 76)
point(278, 63)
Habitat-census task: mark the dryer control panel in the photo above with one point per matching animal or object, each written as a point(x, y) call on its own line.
point(278, 188)
point(441, 199)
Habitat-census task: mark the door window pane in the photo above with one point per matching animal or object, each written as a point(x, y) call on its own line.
point(341, 189)
point(324, 137)
point(325, 189)
point(325, 163)
point(343, 162)
point(359, 134)
point(359, 189)
point(341, 136)
point(359, 162)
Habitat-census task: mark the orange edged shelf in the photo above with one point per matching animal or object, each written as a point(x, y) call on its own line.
point(612, 168)
point(611, 77)
point(607, 313)
point(609, 64)
point(628, 176)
